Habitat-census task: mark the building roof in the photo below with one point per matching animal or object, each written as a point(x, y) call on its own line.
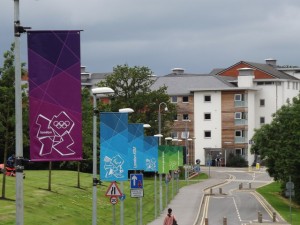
point(266, 68)
point(183, 84)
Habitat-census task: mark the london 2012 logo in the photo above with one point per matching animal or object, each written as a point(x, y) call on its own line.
point(54, 134)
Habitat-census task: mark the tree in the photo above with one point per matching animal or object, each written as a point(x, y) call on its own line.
point(132, 86)
point(7, 109)
point(278, 143)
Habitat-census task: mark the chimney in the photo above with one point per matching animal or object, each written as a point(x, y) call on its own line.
point(271, 62)
point(178, 70)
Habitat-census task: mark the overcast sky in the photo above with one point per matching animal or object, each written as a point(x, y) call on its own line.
point(197, 35)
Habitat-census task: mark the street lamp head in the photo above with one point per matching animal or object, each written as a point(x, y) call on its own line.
point(166, 109)
point(168, 138)
point(126, 110)
point(158, 135)
point(146, 125)
point(102, 90)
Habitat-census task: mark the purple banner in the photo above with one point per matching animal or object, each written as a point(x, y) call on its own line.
point(54, 95)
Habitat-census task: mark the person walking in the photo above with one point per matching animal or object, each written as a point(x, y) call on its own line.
point(170, 219)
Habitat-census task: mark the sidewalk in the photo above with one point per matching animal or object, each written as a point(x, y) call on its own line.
point(186, 204)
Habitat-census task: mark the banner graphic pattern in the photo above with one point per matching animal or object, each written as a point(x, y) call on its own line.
point(113, 146)
point(151, 153)
point(136, 146)
point(54, 95)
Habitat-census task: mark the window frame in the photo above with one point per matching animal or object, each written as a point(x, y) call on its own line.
point(207, 113)
point(207, 132)
point(183, 101)
point(207, 96)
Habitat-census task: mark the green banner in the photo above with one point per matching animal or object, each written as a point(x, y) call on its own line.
point(162, 159)
point(169, 158)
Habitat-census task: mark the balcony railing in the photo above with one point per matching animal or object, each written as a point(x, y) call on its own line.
point(240, 104)
point(240, 122)
point(240, 140)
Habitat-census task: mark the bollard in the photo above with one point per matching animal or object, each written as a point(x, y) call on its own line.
point(220, 190)
point(274, 216)
point(240, 186)
point(206, 221)
point(249, 185)
point(224, 221)
point(259, 215)
point(211, 191)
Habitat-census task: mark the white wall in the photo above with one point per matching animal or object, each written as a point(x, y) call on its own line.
point(200, 125)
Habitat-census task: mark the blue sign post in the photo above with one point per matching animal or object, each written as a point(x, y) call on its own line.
point(136, 181)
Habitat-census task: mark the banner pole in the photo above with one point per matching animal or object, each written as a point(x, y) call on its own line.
point(19, 130)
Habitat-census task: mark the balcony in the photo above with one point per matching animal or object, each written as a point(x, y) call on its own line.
point(238, 140)
point(240, 104)
point(239, 122)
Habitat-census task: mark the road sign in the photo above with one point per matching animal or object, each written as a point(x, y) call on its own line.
point(289, 193)
point(137, 193)
point(136, 181)
point(290, 185)
point(113, 190)
point(122, 198)
point(113, 200)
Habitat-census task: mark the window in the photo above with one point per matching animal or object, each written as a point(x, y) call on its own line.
point(185, 117)
point(175, 117)
point(207, 116)
point(238, 115)
point(185, 135)
point(238, 97)
point(238, 133)
point(174, 134)
point(207, 98)
point(207, 134)
point(262, 120)
point(239, 151)
point(174, 99)
point(262, 102)
point(185, 99)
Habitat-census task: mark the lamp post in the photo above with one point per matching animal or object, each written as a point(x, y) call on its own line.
point(159, 138)
point(95, 92)
point(123, 110)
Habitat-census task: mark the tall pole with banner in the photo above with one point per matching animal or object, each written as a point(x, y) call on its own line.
point(95, 92)
point(18, 30)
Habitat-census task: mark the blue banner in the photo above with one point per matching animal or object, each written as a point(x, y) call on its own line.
point(151, 153)
point(113, 146)
point(136, 146)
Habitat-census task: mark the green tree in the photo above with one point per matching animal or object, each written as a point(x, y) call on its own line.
point(7, 109)
point(278, 143)
point(132, 86)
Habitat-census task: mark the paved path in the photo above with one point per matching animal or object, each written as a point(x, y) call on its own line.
point(186, 204)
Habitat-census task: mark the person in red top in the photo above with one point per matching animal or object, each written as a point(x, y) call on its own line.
point(170, 219)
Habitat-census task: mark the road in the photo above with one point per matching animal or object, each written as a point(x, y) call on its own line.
point(236, 199)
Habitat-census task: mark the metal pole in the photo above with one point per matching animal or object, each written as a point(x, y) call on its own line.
point(122, 206)
point(159, 139)
point(141, 211)
point(94, 216)
point(19, 130)
point(155, 198)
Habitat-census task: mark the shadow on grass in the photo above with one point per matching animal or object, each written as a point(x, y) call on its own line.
point(7, 199)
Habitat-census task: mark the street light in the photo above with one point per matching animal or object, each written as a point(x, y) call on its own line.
point(159, 118)
point(95, 92)
point(123, 110)
point(159, 138)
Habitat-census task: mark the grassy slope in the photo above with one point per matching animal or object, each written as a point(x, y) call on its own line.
point(67, 204)
point(271, 193)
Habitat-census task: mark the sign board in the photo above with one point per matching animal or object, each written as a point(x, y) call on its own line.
point(136, 181)
point(290, 185)
point(289, 193)
point(113, 200)
point(113, 190)
point(137, 193)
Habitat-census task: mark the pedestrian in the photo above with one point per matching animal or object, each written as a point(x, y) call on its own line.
point(170, 219)
point(11, 161)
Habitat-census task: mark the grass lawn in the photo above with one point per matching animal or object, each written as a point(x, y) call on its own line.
point(271, 193)
point(68, 204)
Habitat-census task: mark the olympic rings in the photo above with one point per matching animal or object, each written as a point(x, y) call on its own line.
point(61, 124)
